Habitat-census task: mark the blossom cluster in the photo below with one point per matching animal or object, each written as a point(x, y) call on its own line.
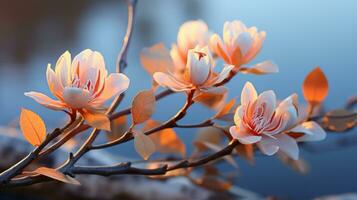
point(83, 85)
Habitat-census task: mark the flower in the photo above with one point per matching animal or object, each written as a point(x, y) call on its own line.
point(240, 45)
point(260, 120)
point(82, 85)
point(198, 73)
point(191, 34)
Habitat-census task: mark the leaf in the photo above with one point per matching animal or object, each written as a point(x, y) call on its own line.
point(156, 59)
point(32, 126)
point(226, 112)
point(166, 140)
point(54, 174)
point(118, 127)
point(208, 134)
point(340, 120)
point(211, 100)
point(143, 106)
point(143, 145)
point(315, 87)
point(96, 120)
point(246, 151)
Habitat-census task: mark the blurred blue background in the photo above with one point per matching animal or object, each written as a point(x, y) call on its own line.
point(301, 34)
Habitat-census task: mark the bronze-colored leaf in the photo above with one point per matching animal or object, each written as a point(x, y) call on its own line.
point(143, 106)
point(246, 151)
point(156, 59)
point(166, 140)
point(208, 134)
point(54, 174)
point(143, 145)
point(315, 86)
point(211, 100)
point(32, 126)
point(97, 120)
point(340, 120)
point(118, 126)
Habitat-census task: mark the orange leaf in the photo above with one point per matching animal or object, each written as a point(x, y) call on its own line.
point(166, 140)
point(32, 126)
point(54, 174)
point(143, 106)
point(156, 59)
point(315, 87)
point(143, 145)
point(118, 127)
point(97, 120)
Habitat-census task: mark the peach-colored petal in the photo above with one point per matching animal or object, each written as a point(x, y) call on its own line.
point(242, 136)
point(256, 47)
point(54, 84)
point(63, 69)
point(269, 146)
point(288, 145)
point(169, 81)
point(76, 97)
point(115, 84)
point(244, 42)
point(313, 132)
point(177, 59)
point(192, 33)
point(265, 104)
point(266, 67)
point(249, 94)
point(46, 101)
point(223, 74)
point(198, 69)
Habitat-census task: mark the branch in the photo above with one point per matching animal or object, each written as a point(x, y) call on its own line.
point(127, 136)
point(126, 168)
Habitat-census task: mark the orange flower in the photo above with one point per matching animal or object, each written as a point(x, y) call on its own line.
point(198, 74)
point(82, 85)
point(191, 34)
point(259, 119)
point(240, 45)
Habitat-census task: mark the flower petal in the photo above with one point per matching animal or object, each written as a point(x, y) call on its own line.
point(46, 101)
point(115, 84)
point(265, 67)
point(249, 94)
point(169, 81)
point(288, 145)
point(266, 101)
point(54, 84)
point(313, 132)
point(242, 136)
point(224, 73)
point(268, 146)
point(63, 69)
point(245, 42)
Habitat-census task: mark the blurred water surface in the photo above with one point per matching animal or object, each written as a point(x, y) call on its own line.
point(301, 34)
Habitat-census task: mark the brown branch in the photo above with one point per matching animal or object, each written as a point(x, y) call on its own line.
point(126, 168)
point(6, 176)
point(127, 136)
